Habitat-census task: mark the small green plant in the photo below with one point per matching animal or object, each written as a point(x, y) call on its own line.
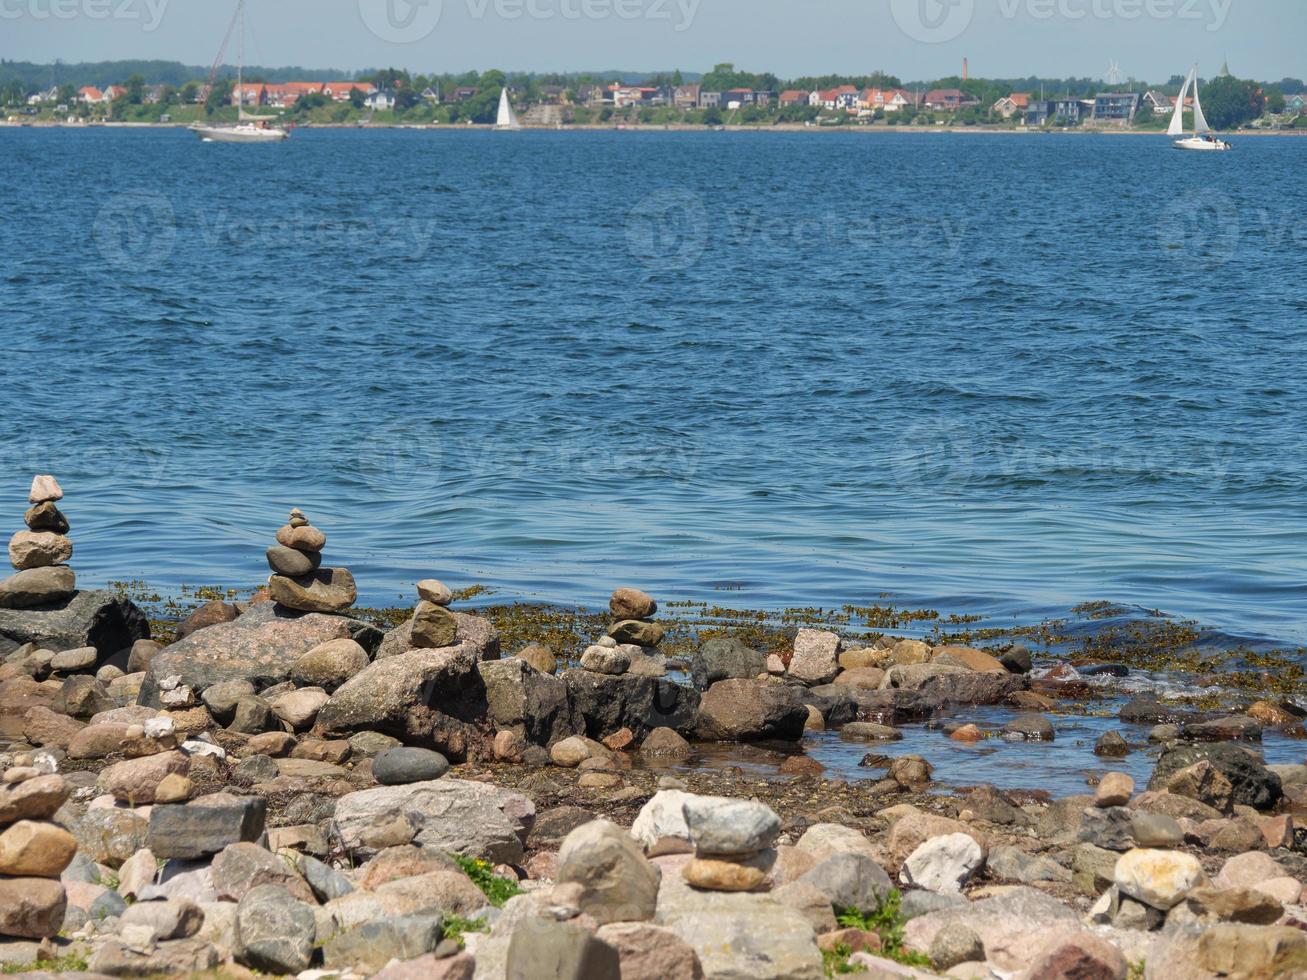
point(887, 922)
point(75, 962)
point(1137, 970)
point(836, 961)
point(456, 927)
point(497, 890)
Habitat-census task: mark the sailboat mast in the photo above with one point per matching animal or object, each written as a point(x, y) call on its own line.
point(240, 61)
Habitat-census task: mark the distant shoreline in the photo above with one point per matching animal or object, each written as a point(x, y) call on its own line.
point(780, 128)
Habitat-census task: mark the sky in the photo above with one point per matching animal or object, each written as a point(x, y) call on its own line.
point(1150, 40)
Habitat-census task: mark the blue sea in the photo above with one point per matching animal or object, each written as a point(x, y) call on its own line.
point(990, 375)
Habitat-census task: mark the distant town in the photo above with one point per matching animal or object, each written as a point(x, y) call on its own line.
point(164, 92)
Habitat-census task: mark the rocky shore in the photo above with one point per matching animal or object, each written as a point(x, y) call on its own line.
point(281, 786)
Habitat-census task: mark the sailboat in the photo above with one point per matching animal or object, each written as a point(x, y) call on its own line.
point(249, 128)
point(1202, 139)
point(507, 118)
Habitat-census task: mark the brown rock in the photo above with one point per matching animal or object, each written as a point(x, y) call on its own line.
point(864, 657)
point(33, 799)
point(35, 849)
point(967, 733)
point(210, 614)
point(1234, 905)
point(968, 657)
point(31, 908)
point(855, 940)
point(1203, 782)
point(39, 549)
point(238, 868)
point(628, 603)
point(650, 952)
point(433, 627)
point(722, 875)
point(540, 657)
point(173, 788)
point(1078, 956)
point(306, 538)
point(914, 829)
point(1253, 951)
point(667, 743)
point(328, 590)
point(509, 746)
point(329, 665)
point(46, 517)
point(460, 966)
point(49, 728)
point(1114, 789)
point(272, 744)
point(800, 765)
point(638, 631)
point(620, 740)
point(135, 780)
point(861, 678)
point(97, 740)
point(404, 861)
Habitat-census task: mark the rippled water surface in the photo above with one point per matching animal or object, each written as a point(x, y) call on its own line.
point(993, 375)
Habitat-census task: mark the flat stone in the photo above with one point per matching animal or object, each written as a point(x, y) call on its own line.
point(32, 588)
point(747, 873)
point(371, 946)
point(206, 826)
point(1033, 728)
point(1010, 925)
point(328, 590)
point(866, 731)
point(638, 631)
point(80, 658)
point(968, 657)
point(240, 867)
point(39, 549)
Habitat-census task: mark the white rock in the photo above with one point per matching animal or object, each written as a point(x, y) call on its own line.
point(816, 657)
point(660, 827)
point(943, 864)
point(193, 746)
point(1158, 878)
point(159, 726)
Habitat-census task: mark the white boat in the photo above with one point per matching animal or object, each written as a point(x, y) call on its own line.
point(507, 118)
point(248, 128)
point(1202, 139)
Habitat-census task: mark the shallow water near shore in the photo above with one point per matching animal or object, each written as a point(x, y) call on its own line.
point(770, 369)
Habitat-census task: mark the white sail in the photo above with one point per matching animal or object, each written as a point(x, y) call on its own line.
point(1177, 119)
point(1200, 121)
point(507, 118)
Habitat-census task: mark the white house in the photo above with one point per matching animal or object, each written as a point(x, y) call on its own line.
point(380, 101)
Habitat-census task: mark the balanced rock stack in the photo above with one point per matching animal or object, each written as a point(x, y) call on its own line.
point(33, 851)
point(732, 843)
point(298, 581)
point(39, 554)
point(434, 626)
point(632, 619)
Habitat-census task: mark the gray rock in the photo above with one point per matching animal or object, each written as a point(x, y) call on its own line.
point(221, 698)
point(206, 825)
point(744, 710)
point(393, 694)
point(1009, 924)
point(543, 950)
point(1254, 785)
point(1111, 744)
point(956, 943)
point(99, 619)
point(724, 658)
point(917, 902)
point(81, 658)
point(327, 883)
point(327, 590)
point(257, 768)
point(274, 932)
point(1030, 728)
point(1109, 828)
point(292, 562)
point(374, 944)
point(408, 764)
point(432, 627)
point(476, 635)
point(1013, 864)
point(602, 704)
point(850, 880)
point(602, 660)
point(450, 815)
point(815, 659)
point(617, 883)
point(170, 919)
point(252, 715)
point(531, 703)
point(1155, 830)
point(1016, 659)
point(720, 826)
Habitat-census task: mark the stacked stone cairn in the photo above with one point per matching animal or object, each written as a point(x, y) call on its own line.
point(298, 581)
point(732, 842)
point(40, 554)
point(33, 850)
point(434, 626)
point(631, 643)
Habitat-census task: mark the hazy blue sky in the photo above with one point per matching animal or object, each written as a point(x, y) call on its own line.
point(915, 39)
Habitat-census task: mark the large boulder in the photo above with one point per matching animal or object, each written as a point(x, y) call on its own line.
point(815, 659)
point(724, 658)
point(1010, 925)
point(432, 698)
point(450, 815)
point(91, 618)
point(274, 932)
point(1252, 783)
point(535, 705)
point(616, 883)
point(260, 646)
point(744, 710)
point(604, 703)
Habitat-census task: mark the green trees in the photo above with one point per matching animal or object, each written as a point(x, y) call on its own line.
point(1230, 102)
